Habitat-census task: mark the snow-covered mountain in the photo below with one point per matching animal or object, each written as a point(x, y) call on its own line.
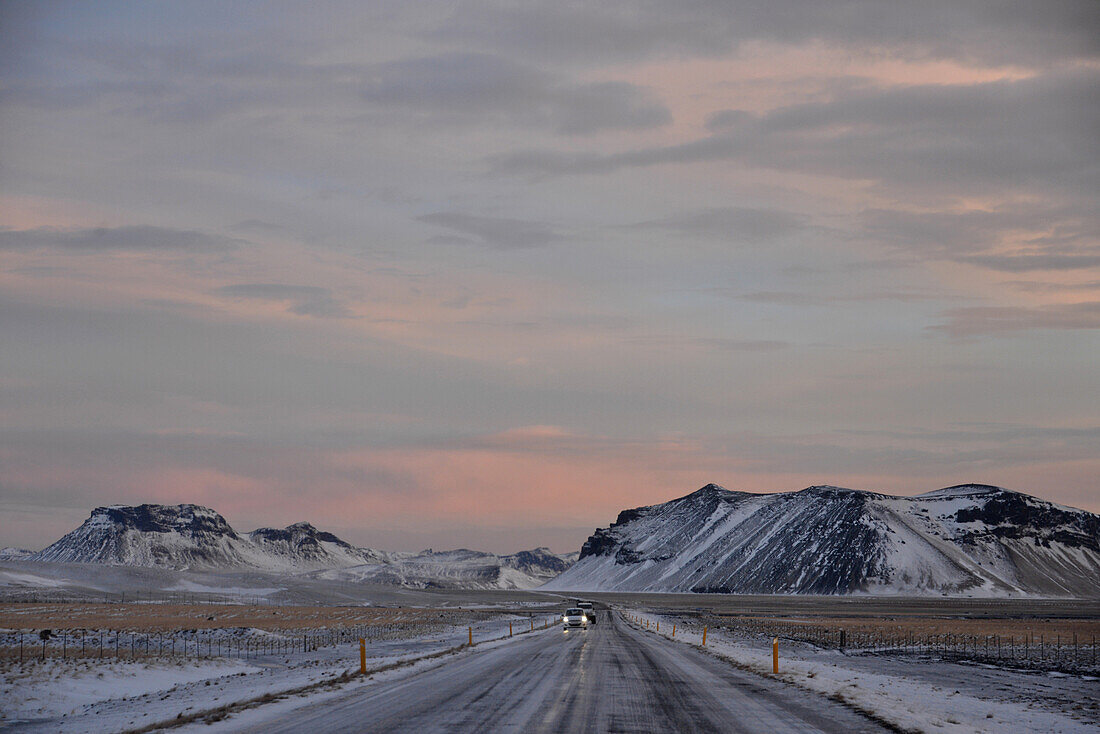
point(301, 544)
point(166, 536)
point(465, 569)
point(969, 539)
point(191, 536)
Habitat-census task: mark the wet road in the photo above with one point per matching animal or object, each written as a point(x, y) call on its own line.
point(611, 678)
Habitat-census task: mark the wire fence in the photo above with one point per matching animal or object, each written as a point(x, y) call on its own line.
point(193, 644)
point(1069, 652)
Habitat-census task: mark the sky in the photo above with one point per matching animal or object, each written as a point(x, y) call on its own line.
point(482, 274)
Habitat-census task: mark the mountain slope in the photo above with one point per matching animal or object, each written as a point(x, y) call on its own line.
point(190, 536)
point(301, 544)
point(969, 539)
point(462, 569)
point(167, 536)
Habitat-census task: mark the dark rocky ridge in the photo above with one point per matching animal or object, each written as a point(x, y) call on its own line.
point(968, 539)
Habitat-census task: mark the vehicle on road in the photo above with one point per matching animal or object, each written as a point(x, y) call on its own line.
point(574, 617)
point(589, 611)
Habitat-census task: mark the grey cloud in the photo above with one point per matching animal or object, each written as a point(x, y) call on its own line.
point(1027, 263)
point(720, 343)
point(304, 300)
point(478, 87)
point(918, 451)
point(745, 224)
point(992, 320)
point(1037, 237)
point(995, 136)
point(257, 225)
point(135, 238)
point(802, 298)
point(1032, 286)
point(493, 231)
point(997, 432)
point(989, 30)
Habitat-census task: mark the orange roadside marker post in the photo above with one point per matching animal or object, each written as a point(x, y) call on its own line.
point(704, 637)
point(362, 656)
point(673, 630)
point(509, 629)
point(471, 629)
point(775, 655)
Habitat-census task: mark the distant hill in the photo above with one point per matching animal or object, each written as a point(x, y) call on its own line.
point(461, 568)
point(966, 540)
point(194, 537)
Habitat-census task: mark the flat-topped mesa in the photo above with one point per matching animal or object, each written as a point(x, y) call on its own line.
point(971, 539)
point(169, 536)
point(192, 536)
point(151, 518)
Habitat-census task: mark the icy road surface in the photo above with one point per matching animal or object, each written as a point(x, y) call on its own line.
point(611, 678)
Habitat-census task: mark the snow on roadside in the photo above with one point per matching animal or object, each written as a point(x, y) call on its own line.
point(52, 688)
point(108, 695)
point(909, 703)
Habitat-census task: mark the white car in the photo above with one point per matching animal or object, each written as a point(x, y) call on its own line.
point(574, 617)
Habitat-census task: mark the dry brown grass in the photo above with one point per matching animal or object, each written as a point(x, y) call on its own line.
point(1050, 629)
point(167, 617)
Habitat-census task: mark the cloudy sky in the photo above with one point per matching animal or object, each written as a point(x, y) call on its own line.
point(482, 274)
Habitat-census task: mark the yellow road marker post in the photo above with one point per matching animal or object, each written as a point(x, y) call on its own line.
point(775, 656)
point(704, 637)
point(362, 656)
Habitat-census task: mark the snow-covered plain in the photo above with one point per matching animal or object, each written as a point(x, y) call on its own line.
point(107, 695)
point(911, 693)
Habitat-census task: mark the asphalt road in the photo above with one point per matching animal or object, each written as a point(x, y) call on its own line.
point(611, 678)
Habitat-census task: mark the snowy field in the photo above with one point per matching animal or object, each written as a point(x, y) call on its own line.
point(910, 692)
point(128, 667)
point(106, 694)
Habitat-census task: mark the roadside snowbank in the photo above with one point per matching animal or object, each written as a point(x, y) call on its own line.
point(912, 702)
